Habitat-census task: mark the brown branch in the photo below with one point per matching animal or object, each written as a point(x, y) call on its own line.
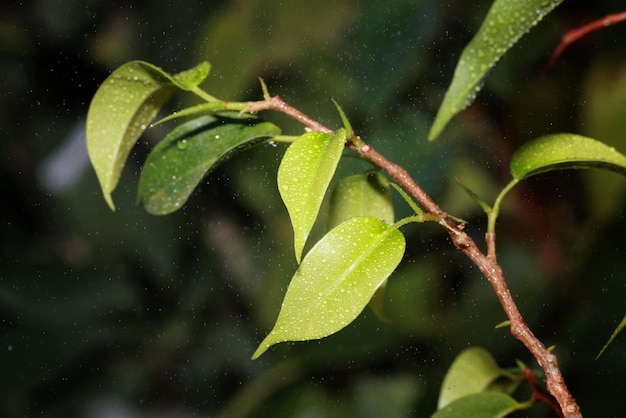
point(400, 175)
point(487, 264)
point(520, 330)
point(492, 270)
point(279, 105)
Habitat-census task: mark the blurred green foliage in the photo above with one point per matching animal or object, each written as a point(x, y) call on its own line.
point(130, 313)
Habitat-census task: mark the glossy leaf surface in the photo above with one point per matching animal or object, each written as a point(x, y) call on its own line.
point(303, 178)
point(564, 151)
point(480, 405)
point(366, 194)
point(177, 165)
point(122, 108)
point(189, 79)
point(506, 22)
point(336, 279)
point(471, 372)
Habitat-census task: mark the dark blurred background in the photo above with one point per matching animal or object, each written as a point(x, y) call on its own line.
point(130, 315)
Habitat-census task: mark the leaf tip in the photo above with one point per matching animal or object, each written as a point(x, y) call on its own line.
point(344, 119)
point(262, 348)
point(436, 129)
point(503, 324)
point(109, 199)
point(266, 92)
point(298, 246)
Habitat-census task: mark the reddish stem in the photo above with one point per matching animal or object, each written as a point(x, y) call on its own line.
point(279, 105)
point(575, 34)
point(539, 394)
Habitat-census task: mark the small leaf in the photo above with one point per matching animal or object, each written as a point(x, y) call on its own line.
point(506, 22)
point(377, 303)
point(557, 152)
point(485, 207)
point(564, 151)
point(471, 372)
point(336, 279)
point(619, 329)
point(303, 177)
point(122, 108)
point(365, 194)
point(344, 119)
point(177, 165)
point(481, 405)
point(189, 79)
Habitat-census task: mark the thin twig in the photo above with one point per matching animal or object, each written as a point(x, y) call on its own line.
point(575, 34)
point(279, 105)
point(539, 394)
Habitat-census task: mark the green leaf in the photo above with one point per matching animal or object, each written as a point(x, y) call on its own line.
point(564, 151)
point(122, 108)
point(177, 165)
point(336, 280)
point(475, 197)
point(190, 79)
point(303, 177)
point(344, 119)
point(365, 194)
point(558, 152)
point(481, 405)
point(506, 22)
point(377, 303)
point(119, 113)
point(619, 329)
point(471, 372)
